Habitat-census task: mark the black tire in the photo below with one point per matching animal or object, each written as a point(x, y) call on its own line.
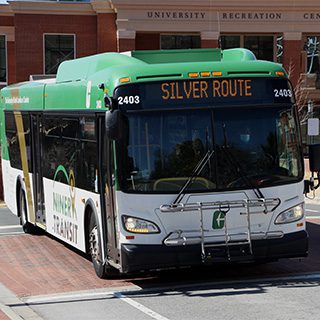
point(26, 225)
point(103, 271)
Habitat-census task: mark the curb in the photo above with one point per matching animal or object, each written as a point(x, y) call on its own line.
point(15, 308)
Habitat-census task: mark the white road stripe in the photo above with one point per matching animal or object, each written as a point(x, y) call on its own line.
point(312, 217)
point(311, 210)
point(10, 226)
point(140, 307)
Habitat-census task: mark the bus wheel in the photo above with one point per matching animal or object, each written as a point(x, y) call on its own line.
point(26, 226)
point(102, 271)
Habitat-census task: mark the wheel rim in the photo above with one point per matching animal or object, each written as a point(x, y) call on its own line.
point(95, 245)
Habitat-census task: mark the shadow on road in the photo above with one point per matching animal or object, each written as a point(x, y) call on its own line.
point(240, 271)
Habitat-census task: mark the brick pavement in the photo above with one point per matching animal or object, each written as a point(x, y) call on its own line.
point(3, 316)
point(36, 265)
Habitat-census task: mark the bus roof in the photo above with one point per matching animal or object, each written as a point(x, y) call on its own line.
point(77, 79)
point(155, 64)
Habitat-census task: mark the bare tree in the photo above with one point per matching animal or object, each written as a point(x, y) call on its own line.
point(301, 95)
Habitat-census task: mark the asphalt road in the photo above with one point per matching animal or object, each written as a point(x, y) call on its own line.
point(283, 299)
point(9, 223)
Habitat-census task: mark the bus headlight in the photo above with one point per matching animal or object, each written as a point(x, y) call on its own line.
point(137, 225)
point(293, 214)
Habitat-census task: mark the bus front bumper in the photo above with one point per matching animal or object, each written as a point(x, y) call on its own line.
point(150, 257)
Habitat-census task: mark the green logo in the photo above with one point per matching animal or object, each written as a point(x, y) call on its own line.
point(65, 204)
point(218, 220)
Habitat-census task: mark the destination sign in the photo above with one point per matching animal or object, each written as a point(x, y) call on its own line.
point(180, 90)
point(211, 92)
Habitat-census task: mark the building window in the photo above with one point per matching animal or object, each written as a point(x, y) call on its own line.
point(261, 46)
point(264, 47)
point(229, 42)
point(3, 60)
point(57, 48)
point(311, 46)
point(171, 41)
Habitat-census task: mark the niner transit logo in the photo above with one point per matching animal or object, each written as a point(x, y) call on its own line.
point(65, 214)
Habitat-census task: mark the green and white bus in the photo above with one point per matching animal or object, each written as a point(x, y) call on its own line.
point(158, 159)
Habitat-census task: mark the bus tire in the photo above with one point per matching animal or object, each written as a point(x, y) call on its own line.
point(103, 271)
point(26, 225)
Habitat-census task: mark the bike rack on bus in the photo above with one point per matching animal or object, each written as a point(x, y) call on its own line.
point(255, 206)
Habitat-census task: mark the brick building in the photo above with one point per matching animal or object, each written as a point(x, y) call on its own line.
point(36, 35)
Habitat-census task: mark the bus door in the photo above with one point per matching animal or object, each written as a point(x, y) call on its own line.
point(36, 127)
point(107, 193)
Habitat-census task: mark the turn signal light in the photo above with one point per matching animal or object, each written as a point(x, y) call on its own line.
point(280, 73)
point(193, 74)
point(124, 80)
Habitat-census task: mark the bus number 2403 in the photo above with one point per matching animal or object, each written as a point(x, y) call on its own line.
point(282, 93)
point(129, 100)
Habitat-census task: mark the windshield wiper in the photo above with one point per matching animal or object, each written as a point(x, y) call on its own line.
point(195, 173)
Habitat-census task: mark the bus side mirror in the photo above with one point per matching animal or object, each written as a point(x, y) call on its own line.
point(114, 125)
point(314, 157)
point(107, 100)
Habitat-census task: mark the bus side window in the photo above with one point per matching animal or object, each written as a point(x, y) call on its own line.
point(27, 135)
point(70, 156)
point(89, 154)
point(12, 141)
point(52, 145)
point(89, 165)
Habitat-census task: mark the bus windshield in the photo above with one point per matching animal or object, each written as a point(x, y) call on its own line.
point(250, 147)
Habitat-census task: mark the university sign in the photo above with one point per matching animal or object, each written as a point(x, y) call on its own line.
point(251, 16)
point(311, 16)
point(176, 15)
point(185, 15)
